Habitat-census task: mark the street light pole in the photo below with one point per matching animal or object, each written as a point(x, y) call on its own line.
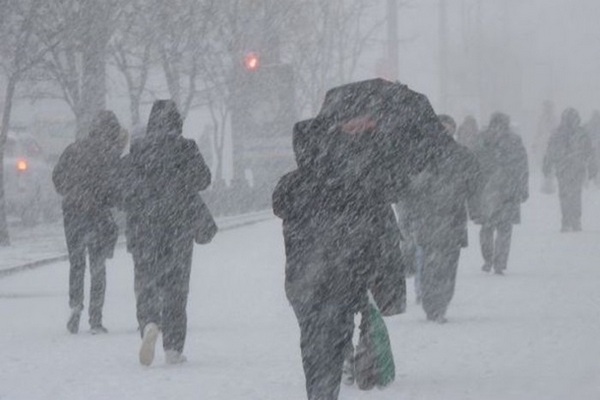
point(443, 48)
point(392, 40)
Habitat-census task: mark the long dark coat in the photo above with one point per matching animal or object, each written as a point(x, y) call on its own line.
point(165, 174)
point(339, 230)
point(505, 176)
point(571, 155)
point(86, 176)
point(437, 200)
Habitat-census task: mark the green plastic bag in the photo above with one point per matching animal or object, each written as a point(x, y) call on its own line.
point(374, 360)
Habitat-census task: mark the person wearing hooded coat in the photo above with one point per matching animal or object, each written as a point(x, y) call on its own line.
point(165, 173)
point(436, 204)
point(468, 133)
point(505, 185)
point(86, 178)
point(592, 127)
point(571, 156)
point(334, 228)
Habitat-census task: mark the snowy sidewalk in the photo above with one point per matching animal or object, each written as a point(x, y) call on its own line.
point(530, 335)
point(44, 244)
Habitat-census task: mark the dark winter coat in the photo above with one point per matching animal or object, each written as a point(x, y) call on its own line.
point(571, 155)
point(437, 199)
point(405, 139)
point(86, 176)
point(505, 176)
point(468, 133)
point(166, 172)
point(340, 234)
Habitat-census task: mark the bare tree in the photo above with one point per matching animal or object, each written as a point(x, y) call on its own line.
point(77, 66)
point(182, 26)
point(131, 50)
point(327, 51)
point(21, 51)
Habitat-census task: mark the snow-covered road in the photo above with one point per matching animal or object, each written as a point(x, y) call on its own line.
point(532, 334)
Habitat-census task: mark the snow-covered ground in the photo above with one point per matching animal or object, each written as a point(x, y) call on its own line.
point(532, 334)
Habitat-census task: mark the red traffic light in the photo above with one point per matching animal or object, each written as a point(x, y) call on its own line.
point(252, 62)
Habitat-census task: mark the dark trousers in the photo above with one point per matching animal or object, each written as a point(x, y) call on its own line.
point(438, 278)
point(325, 333)
point(495, 251)
point(162, 282)
point(80, 236)
point(569, 193)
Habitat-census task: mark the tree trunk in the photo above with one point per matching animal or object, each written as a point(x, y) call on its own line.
point(8, 99)
point(93, 88)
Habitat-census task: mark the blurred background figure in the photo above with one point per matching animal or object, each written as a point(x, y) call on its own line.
point(593, 130)
point(505, 179)
point(572, 158)
point(86, 178)
point(468, 133)
point(436, 205)
point(546, 125)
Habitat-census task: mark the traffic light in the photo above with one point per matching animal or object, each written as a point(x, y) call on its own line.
point(252, 62)
point(262, 118)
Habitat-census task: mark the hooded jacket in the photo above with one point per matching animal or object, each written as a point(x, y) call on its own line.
point(165, 173)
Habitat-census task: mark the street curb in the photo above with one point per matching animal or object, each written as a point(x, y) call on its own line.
point(255, 219)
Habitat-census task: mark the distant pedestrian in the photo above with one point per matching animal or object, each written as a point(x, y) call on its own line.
point(505, 179)
point(437, 201)
point(571, 156)
point(593, 130)
point(546, 126)
point(468, 133)
point(164, 173)
point(86, 178)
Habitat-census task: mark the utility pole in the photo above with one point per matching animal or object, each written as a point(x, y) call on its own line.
point(479, 50)
point(443, 49)
point(392, 38)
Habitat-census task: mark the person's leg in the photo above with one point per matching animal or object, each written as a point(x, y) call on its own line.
point(502, 246)
point(563, 197)
point(576, 194)
point(148, 277)
point(439, 277)
point(75, 238)
point(176, 286)
point(447, 283)
point(486, 241)
point(419, 260)
point(147, 280)
point(97, 287)
point(324, 334)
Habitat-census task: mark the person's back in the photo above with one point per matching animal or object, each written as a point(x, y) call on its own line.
point(570, 152)
point(505, 173)
point(505, 185)
point(86, 177)
point(571, 156)
point(439, 195)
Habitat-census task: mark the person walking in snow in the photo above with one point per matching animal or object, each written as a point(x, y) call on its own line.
point(571, 156)
point(505, 185)
point(165, 174)
point(468, 133)
point(86, 178)
point(336, 243)
point(437, 201)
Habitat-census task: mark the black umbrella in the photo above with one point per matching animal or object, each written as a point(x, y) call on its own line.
point(402, 132)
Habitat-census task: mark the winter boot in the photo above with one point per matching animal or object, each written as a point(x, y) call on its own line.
point(174, 357)
point(149, 338)
point(73, 322)
point(348, 372)
point(98, 329)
